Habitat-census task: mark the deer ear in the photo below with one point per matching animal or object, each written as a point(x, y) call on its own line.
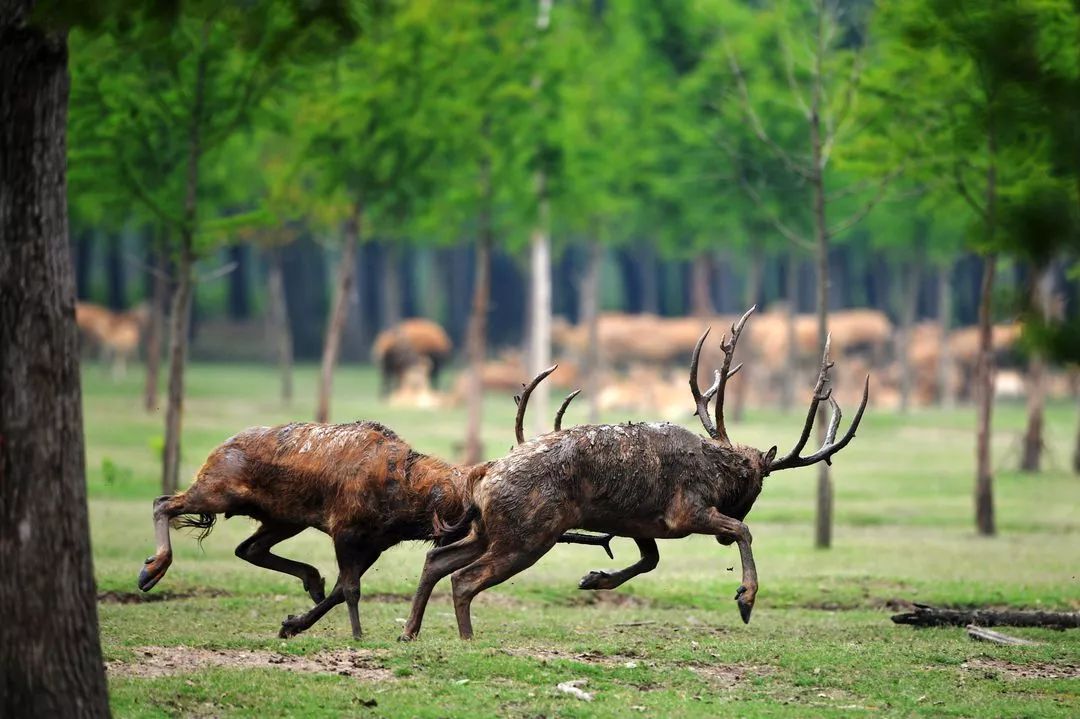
point(770, 455)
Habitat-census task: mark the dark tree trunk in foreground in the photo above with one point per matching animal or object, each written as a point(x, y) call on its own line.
point(50, 658)
point(180, 322)
point(1030, 459)
point(155, 323)
point(476, 334)
point(345, 281)
point(278, 315)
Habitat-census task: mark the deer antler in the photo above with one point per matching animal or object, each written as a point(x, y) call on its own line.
point(830, 446)
point(523, 400)
point(562, 408)
point(728, 346)
point(716, 428)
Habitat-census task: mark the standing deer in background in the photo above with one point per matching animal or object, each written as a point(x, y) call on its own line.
point(359, 483)
point(646, 481)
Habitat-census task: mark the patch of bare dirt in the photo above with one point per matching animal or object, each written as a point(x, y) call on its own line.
point(991, 668)
point(117, 597)
point(491, 599)
point(590, 657)
point(154, 662)
point(726, 676)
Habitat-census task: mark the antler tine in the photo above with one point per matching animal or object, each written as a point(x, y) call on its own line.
point(834, 423)
point(562, 408)
point(820, 393)
point(711, 392)
point(519, 433)
point(701, 402)
point(726, 373)
point(828, 450)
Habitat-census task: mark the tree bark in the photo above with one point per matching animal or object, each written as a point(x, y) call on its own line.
point(278, 314)
point(946, 386)
point(1030, 460)
point(540, 304)
point(181, 309)
point(909, 306)
point(701, 272)
point(156, 322)
point(345, 282)
point(50, 656)
point(590, 317)
point(984, 377)
point(476, 335)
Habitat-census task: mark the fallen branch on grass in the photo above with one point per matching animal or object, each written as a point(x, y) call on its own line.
point(988, 635)
point(925, 616)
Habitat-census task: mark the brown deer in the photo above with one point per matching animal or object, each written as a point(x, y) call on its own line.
point(359, 483)
point(646, 481)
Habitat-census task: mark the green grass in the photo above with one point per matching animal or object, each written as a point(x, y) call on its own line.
point(670, 642)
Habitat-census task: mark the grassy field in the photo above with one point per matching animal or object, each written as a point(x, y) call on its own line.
point(670, 643)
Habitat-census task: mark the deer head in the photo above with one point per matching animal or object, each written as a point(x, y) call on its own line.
point(718, 431)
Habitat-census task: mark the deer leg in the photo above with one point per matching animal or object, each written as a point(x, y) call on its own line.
point(728, 530)
point(596, 540)
point(440, 562)
point(353, 561)
point(495, 566)
point(155, 566)
point(600, 579)
point(256, 549)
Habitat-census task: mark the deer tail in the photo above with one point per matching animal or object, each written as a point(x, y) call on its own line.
point(446, 533)
point(202, 522)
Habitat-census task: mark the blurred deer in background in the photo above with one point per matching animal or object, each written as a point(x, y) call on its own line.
point(115, 334)
point(646, 481)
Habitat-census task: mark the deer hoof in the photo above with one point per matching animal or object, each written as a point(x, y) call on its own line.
point(745, 609)
point(596, 579)
point(290, 627)
point(406, 637)
point(746, 606)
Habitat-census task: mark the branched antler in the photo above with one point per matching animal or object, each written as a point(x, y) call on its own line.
point(523, 400)
point(830, 446)
point(716, 428)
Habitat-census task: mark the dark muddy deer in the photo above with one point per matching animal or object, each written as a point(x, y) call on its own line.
point(646, 481)
point(359, 483)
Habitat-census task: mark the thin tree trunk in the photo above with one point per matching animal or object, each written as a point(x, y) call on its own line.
point(540, 305)
point(476, 336)
point(115, 277)
point(823, 524)
point(181, 309)
point(984, 378)
point(156, 322)
point(50, 656)
point(590, 317)
point(1076, 448)
point(1041, 283)
point(279, 321)
point(701, 271)
point(909, 305)
point(345, 282)
point(239, 293)
point(791, 362)
point(946, 386)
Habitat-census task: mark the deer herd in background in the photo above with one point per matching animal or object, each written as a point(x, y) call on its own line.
point(366, 488)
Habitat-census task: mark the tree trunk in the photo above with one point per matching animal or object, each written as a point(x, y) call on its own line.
point(1076, 448)
point(823, 524)
point(1041, 290)
point(390, 303)
point(278, 314)
point(946, 386)
point(476, 336)
point(540, 304)
point(115, 277)
point(909, 306)
point(590, 317)
point(156, 321)
point(984, 374)
point(701, 271)
point(345, 281)
point(181, 309)
point(50, 656)
point(239, 293)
